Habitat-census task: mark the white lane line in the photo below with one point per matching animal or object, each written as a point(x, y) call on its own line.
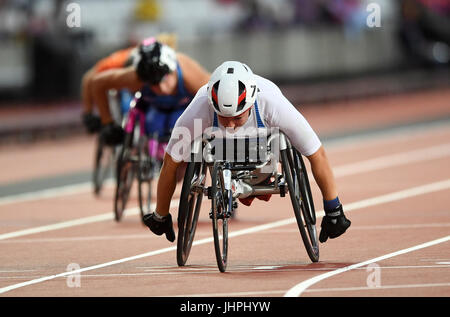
point(402, 226)
point(64, 224)
point(214, 271)
point(79, 238)
point(366, 288)
point(316, 290)
point(76, 222)
point(414, 191)
point(348, 169)
point(47, 193)
point(298, 289)
point(420, 190)
point(424, 154)
point(360, 227)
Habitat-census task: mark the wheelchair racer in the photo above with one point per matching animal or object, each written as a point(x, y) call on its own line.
point(119, 59)
point(166, 79)
point(235, 98)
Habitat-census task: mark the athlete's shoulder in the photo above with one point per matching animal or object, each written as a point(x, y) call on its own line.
point(202, 92)
point(198, 109)
point(200, 100)
point(266, 84)
point(268, 91)
point(266, 87)
point(186, 61)
point(193, 73)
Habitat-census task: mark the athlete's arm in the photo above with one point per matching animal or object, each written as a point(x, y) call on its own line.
point(194, 75)
point(122, 78)
point(323, 174)
point(281, 113)
point(178, 149)
point(167, 182)
point(86, 91)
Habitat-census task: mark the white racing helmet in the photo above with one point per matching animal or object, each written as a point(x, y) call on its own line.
point(232, 89)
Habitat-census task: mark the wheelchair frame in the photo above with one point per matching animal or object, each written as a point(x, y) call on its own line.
point(224, 177)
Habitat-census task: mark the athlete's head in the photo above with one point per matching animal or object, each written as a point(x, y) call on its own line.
point(156, 60)
point(232, 89)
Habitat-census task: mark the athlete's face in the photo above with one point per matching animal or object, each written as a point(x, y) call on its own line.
point(167, 86)
point(234, 122)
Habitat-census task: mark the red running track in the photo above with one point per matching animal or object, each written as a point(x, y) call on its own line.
point(394, 186)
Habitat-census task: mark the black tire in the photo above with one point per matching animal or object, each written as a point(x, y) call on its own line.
point(301, 201)
point(310, 211)
point(219, 201)
point(125, 177)
point(189, 209)
point(104, 157)
point(145, 174)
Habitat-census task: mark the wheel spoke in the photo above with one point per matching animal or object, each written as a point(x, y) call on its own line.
point(189, 209)
point(301, 202)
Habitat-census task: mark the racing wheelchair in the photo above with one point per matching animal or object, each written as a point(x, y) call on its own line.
point(258, 166)
point(140, 158)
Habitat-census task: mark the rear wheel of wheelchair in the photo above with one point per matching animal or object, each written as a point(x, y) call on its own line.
point(305, 188)
point(189, 209)
point(125, 177)
point(102, 165)
point(301, 201)
point(145, 175)
point(219, 202)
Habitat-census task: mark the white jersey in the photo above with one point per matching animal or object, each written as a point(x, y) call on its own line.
point(274, 109)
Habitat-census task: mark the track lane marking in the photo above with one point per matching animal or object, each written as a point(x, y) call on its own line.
point(213, 271)
point(87, 186)
point(402, 158)
point(76, 222)
point(414, 191)
point(298, 289)
point(317, 290)
point(49, 193)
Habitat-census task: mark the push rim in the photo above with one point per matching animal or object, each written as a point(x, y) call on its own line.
point(309, 235)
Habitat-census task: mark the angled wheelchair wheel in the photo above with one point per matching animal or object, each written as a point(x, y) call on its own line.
point(146, 172)
point(301, 201)
point(125, 177)
point(189, 208)
point(219, 201)
point(305, 188)
point(104, 157)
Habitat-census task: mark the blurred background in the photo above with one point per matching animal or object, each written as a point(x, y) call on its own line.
point(316, 50)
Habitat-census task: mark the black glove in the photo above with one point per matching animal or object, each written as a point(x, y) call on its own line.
point(92, 122)
point(112, 134)
point(334, 223)
point(160, 226)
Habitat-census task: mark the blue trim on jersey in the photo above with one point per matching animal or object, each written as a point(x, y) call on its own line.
point(258, 118)
point(215, 122)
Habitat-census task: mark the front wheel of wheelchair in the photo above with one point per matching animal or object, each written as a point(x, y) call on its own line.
point(189, 209)
point(220, 201)
point(104, 157)
point(301, 199)
point(125, 177)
